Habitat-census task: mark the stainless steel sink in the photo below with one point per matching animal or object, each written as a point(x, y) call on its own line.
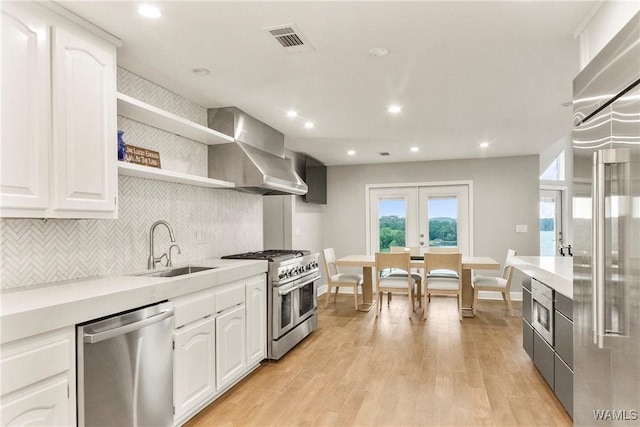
point(180, 271)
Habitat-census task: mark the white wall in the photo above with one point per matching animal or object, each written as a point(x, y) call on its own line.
point(599, 27)
point(505, 194)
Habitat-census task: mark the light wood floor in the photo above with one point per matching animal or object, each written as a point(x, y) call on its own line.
point(358, 370)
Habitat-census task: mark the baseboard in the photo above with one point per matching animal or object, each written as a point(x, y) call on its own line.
point(488, 295)
point(483, 295)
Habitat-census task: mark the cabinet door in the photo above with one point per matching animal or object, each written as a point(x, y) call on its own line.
point(256, 303)
point(24, 147)
point(42, 404)
point(84, 126)
point(230, 346)
point(193, 365)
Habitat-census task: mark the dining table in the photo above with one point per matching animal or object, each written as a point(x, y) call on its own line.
point(368, 263)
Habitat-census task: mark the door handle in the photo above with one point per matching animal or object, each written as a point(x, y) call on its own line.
point(121, 330)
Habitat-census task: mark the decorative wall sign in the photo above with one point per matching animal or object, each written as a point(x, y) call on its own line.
point(142, 156)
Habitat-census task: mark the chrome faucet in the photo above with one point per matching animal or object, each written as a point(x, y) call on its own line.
point(169, 261)
point(153, 261)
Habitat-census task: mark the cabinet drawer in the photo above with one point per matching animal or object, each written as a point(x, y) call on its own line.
point(527, 338)
point(564, 305)
point(229, 295)
point(34, 359)
point(563, 337)
point(526, 305)
point(543, 358)
point(563, 384)
point(192, 307)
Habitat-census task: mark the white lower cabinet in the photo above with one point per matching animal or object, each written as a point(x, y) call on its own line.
point(38, 380)
point(220, 336)
point(256, 304)
point(231, 343)
point(194, 365)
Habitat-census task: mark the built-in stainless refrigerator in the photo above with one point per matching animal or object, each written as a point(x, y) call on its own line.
point(606, 221)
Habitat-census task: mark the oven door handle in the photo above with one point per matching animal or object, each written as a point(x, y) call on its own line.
point(287, 290)
point(302, 285)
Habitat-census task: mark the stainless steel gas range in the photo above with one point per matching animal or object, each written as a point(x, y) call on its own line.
point(291, 301)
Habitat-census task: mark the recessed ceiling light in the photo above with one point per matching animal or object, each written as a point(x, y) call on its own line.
point(394, 109)
point(200, 71)
point(149, 11)
point(484, 144)
point(378, 51)
point(351, 152)
point(308, 125)
point(292, 113)
point(415, 149)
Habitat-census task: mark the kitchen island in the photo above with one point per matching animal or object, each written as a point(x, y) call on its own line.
point(547, 321)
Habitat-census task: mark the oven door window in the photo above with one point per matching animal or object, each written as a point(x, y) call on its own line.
point(283, 310)
point(307, 304)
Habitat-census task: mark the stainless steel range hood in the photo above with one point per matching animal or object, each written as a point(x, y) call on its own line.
point(256, 161)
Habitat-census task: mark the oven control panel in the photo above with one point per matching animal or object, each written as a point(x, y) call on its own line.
point(294, 268)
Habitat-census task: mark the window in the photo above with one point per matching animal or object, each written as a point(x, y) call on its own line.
point(555, 171)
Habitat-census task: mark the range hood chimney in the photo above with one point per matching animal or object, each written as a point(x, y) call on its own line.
point(256, 161)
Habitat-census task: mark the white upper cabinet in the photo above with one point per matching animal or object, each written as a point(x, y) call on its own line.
point(24, 147)
point(84, 124)
point(58, 117)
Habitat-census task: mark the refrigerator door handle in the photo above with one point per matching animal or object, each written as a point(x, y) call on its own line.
point(597, 241)
point(601, 160)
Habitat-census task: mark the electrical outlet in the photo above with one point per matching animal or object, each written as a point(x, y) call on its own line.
point(521, 228)
point(201, 237)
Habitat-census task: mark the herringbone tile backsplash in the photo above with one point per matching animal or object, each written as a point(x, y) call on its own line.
point(36, 251)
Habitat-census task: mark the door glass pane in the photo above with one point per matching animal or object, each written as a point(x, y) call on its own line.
point(392, 214)
point(547, 226)
point(443, 221)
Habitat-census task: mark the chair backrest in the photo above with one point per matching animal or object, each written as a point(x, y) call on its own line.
point(442, 250)
point(395, 260)
point(330, 262)
point(450, 261)
point(507, 271)
point(413, 250)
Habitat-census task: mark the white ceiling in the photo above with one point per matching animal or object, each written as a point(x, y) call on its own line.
point(463, 72)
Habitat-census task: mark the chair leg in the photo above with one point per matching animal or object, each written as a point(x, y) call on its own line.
point(507, 299)
point(335, 298)
point(425, 305)
point(475, 300)
point(355, 297)
point(388, 298)
point(326, 304)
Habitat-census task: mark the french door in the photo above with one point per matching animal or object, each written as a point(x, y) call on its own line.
point(426, 216)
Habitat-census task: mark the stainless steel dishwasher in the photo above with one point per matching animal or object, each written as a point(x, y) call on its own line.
point(125, 369)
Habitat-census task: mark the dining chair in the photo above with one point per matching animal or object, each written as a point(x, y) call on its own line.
point(417, 276)
point(389, 283)
point(442, 272)
point(443, 285)
point(496, 284)
point(336, 279)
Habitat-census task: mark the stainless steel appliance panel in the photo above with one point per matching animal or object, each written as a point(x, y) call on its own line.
point(125, 369)
point(542, 310)
point(606, 141)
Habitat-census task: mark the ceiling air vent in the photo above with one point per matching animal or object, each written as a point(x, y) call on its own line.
point(384, 153)
point(290, 38)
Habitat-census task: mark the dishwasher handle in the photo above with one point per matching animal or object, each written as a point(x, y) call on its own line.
point(121, 330)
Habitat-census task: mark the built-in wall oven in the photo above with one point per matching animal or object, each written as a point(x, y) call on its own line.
point(542, 310)
point(291, 303)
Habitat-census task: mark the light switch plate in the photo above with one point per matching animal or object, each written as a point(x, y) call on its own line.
point(521, 228)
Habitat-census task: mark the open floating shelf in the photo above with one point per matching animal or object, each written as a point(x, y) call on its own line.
point(131, 169)
point(148, 114)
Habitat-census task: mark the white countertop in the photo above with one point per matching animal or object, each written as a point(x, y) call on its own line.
point(555, 272)
point(47, 307)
